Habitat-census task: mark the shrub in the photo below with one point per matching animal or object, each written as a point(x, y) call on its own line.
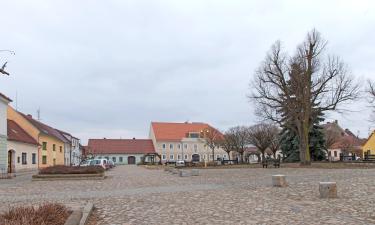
point(46, 214)
point(72, 170)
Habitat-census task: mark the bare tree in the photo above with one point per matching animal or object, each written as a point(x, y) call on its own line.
point(275, 141)
point(213, 138)
point(240, 139)
point(293, 91)
point(227, 143)
point(331, 137)
point(262, 135)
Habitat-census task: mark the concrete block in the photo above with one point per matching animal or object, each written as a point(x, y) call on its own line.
point(328, 189)
point(279, 180)
point(195, 172)
point(185, 173)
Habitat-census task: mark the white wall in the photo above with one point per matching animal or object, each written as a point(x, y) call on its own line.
point(124, 157)
point(3, 135)
point(20, 148)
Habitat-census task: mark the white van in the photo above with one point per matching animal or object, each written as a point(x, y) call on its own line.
point(100, 162)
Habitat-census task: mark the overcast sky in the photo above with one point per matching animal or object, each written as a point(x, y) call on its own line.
point(108, 68)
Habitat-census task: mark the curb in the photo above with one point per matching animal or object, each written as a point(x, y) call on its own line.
point(80, 215)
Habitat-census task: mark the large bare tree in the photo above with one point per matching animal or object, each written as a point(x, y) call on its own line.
point(262, 136)
point(294, 90)
point(227, 143)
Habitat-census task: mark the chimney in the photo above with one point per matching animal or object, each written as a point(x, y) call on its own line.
point(133, 138)
point(104, 138)
point(336, 122)
point(29, 116)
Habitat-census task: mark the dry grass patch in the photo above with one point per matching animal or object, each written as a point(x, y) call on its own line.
point(46, 214)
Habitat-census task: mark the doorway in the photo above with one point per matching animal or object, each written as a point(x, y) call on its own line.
point(131, 160)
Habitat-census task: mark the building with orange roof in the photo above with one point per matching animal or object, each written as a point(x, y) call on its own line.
point(183, 141)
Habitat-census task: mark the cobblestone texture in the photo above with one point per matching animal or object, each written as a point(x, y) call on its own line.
point(134, 195)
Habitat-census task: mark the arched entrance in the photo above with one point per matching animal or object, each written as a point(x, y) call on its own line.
point(131, 160)
point(195, 158)
point(11, 161)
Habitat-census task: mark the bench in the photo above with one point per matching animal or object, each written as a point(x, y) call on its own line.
point(274, 162)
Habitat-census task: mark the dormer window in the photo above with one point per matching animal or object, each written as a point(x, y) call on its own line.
point(194, 135)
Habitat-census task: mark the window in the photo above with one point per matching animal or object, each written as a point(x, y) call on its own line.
point(179, 157)
point(335, 153)
point(185, 146)
point(44, 144)
point(179, 146)
point(204, 157)
point(44, 159)
point(224, 156)
point(185, 157)
point(163, 157)
point(171, 157)
point(210, 156)
point(195, 148)
point(114, 159)
point(54, 162)
point(60, 148)
point(164, 146)
point(217, 156)
point(99, 157)
point(120, 159)
point(18, 159)
point(53, 147)
point(329, 153)
point(33, 158)
point(193, 135)
point(171, 146)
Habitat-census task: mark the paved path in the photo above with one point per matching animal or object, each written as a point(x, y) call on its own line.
point(134, 195)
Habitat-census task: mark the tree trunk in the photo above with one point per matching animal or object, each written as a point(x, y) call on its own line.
point(213, 154)
point(228, 155)
point(304, 149)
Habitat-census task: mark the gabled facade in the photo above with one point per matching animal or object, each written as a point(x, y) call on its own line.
point(369, 146)
point(4, 101)
point(51, 143)
point(183, 141)
point(72, 152)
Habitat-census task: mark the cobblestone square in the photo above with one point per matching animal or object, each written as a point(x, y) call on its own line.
point(135, 195)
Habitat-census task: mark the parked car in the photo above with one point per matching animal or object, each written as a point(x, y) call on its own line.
point(100, 162)
point(111, 163)
point(85, 163)
point(180, 163)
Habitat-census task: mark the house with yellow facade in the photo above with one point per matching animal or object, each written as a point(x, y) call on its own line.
point(369, 146)
point(51, 142)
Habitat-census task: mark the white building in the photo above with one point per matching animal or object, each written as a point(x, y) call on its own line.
point(120, 151)
point(4, 101)
point(22, 149)
point(72, 151)
point(183, 141)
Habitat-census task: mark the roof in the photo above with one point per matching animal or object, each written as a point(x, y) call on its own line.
point(16, 133)
point(45, 129)
point(120, 146)
point(176, 131)
point(5, 97)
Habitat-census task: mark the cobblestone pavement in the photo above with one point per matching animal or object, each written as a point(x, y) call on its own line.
point(135, 195)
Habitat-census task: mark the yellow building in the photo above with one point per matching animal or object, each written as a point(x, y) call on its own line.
point(51, 142)
point(369, 146)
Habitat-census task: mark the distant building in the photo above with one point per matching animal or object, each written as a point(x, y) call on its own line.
point(183, 141)
point(4, 101)
point(344, 142)
point(120, 151)
point(22, 149)
point(369, 146)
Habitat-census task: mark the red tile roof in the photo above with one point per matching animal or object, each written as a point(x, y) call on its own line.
point(45, 129)
point(176, 131)
point(120, 146)
point(5, 97)
point(16, 133)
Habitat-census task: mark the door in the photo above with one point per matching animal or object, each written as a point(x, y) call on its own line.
point(11, 161)
point(195, 158)
point(131, 160)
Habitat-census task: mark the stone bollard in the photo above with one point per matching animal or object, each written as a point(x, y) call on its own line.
point(195, 172)
point(279, 180)
point(328, 189)
point(185, 173)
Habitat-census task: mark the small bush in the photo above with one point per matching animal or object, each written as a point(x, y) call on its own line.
point(72, 170)
point(46, 214)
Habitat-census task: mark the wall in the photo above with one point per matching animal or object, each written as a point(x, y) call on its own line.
point(59, 156)
point(124, 156)
point(20, 148)
point(369, 145)
point(3, 136)
point(22, 122)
